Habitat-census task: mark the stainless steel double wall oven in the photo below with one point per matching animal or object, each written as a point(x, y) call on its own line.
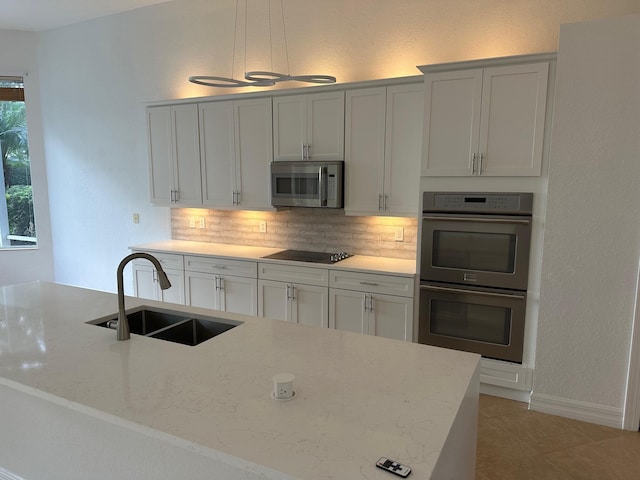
point(474, 269)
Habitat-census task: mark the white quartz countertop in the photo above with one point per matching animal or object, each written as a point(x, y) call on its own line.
point(358, 397)
point(362, 263)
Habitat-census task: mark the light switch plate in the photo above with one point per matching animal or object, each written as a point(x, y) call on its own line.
point(399, 235)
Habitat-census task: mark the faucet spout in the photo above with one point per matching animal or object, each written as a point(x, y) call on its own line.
point(122, 330)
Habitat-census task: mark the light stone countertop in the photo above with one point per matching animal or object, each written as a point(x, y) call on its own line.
point(358, 398)
point(362, 263)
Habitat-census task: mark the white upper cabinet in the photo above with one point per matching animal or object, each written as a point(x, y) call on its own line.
point(485, 121)
point(254, 147)
point(382, 150)
point(309, 127)
point(174, 155)
point(217, 148)
point(236, 148)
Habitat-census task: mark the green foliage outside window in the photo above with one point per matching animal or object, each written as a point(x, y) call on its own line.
point(20, 209)
point(14, 148)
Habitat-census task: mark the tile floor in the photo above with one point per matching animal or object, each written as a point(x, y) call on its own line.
point(517, 444)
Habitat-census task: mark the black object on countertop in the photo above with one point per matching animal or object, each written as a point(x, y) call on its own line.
point(305, 256)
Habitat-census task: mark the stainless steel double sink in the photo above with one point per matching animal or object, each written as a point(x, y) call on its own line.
point(178, 327)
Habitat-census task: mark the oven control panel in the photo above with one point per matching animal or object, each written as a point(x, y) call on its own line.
point(518, 203)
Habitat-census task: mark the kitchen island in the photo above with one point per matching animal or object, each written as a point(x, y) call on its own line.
point(76, 403)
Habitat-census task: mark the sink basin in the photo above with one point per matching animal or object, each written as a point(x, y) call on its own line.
point(192, 331)
point(143, 322)
point(178, 327)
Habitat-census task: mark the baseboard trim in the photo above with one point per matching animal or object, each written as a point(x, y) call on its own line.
point(505, 374)
point(504, 392)
point(577, 410)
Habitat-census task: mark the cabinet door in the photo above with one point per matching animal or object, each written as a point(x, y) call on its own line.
point(217, 147)
point(272, 300)
point(309, 305)
point(238, 294)
point(144, 282)
point(364, 151)
point(186, 170)
point(391, 317)
point(451, 122)
point(253, 150)
point(325, 126)
point(289, 127)
point(512, 122)
point(403, 144)
point(160, 154)
point(200, 290)
point(175, 293)
point(346, 311)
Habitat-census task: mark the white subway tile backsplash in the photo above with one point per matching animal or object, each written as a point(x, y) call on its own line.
point(301, 229)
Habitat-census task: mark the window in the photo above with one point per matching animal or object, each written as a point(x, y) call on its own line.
point(17, 221)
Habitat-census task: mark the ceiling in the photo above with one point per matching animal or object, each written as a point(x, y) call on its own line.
point(38, 15)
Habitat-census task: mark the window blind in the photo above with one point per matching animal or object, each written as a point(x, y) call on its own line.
point(11, 89)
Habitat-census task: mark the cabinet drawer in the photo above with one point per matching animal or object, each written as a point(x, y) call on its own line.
point(238, 268)
point(374, 283)
point(167, 260)
point(294, 274)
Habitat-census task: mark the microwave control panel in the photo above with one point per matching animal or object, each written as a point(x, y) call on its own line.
point(331, 187)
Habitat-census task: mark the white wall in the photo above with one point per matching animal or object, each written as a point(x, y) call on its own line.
point(592, 231)
point(18, 56)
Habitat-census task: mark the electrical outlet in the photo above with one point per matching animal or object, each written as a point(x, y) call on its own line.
point(201, 222)
point(192, 222)
point(284, 391)
point(136, 218)
point(399, 234)
point(263, 227)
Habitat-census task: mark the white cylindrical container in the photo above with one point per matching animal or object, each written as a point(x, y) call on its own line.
point(283, 386)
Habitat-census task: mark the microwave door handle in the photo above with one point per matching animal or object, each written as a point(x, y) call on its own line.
point(474, 292)
point(479, 220)
point(322, 186)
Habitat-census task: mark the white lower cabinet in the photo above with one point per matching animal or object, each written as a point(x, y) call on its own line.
point(373, 304)
point(282, 298)
point(361, 308)
point(221, 284)
point(145, 278)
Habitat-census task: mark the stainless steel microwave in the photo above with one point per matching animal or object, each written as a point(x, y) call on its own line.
point(307, 184)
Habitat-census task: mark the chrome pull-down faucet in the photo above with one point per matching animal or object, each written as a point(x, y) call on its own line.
point(122, 330)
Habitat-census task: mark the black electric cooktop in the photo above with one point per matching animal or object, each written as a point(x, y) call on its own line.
point(304, 256)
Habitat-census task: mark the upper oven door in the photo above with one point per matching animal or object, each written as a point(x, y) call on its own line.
point(483, 250)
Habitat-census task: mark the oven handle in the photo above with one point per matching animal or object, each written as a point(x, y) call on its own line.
point(474, 292)
point(479, 219)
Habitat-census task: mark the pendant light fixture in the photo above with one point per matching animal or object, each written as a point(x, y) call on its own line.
point(258, 78)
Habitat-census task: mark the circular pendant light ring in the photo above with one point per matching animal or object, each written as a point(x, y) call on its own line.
point(225, 82)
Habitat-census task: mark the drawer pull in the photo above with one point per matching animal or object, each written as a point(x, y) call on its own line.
point(220, 267)
point(371, 284)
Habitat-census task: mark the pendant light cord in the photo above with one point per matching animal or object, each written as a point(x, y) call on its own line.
point(286, 45)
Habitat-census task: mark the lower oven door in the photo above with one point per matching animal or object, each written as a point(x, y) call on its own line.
point(487, 321)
